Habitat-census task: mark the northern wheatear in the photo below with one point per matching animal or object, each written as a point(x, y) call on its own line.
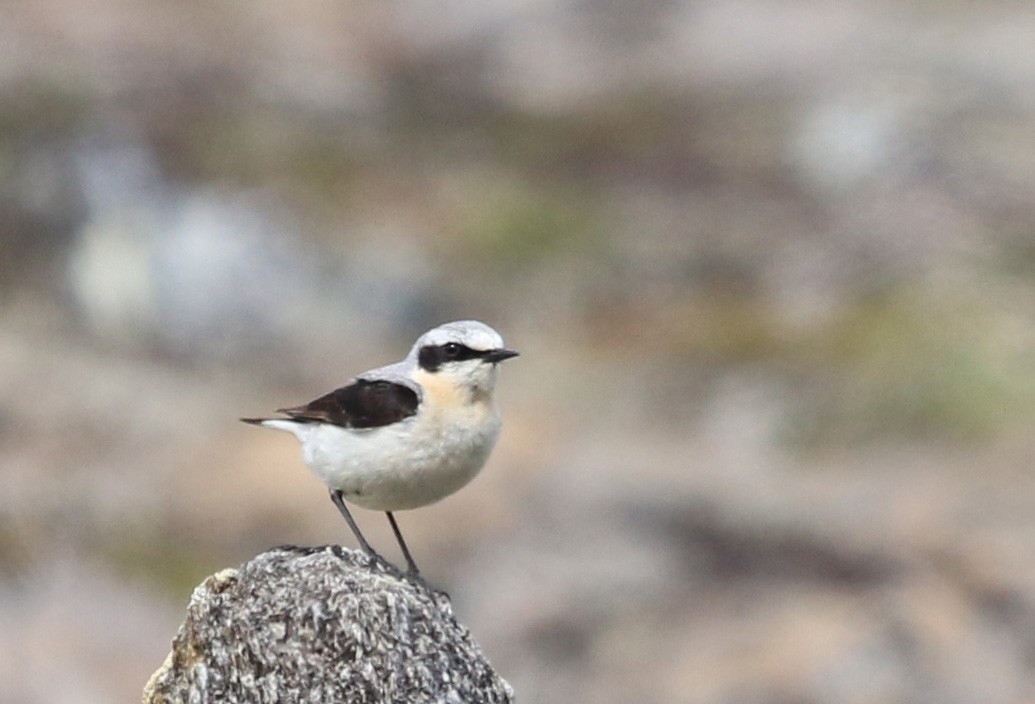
point(408, 434)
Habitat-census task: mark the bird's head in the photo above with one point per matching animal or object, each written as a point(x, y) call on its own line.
point(466, 353)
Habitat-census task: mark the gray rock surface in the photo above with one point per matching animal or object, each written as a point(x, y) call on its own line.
point(322, 625)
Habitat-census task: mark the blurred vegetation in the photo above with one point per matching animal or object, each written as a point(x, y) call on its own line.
point(523, 226)
point(905, 365)
point(173, 567)
point(902, 362)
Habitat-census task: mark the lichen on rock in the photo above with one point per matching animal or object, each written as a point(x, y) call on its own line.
point(321, 625)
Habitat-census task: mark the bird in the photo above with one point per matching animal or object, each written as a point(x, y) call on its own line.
point(407, 434)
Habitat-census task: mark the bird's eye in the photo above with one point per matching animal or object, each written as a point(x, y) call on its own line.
point(451, 349)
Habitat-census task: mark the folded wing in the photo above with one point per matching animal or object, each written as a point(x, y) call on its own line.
point(362, 404)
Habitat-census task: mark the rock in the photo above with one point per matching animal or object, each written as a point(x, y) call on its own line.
point(322, 625)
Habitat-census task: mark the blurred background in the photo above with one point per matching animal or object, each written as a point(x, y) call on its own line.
point(770, 265)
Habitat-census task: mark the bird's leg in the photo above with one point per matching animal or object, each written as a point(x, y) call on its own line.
point(410, 564)
point(339, 501)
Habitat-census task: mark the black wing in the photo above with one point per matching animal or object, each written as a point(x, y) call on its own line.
point(362, 404)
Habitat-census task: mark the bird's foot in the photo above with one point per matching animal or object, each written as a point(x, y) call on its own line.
point(379, 561)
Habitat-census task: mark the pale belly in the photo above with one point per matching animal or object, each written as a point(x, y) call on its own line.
point(402, 466)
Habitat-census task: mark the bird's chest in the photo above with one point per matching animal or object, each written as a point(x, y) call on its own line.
point(449, 425)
